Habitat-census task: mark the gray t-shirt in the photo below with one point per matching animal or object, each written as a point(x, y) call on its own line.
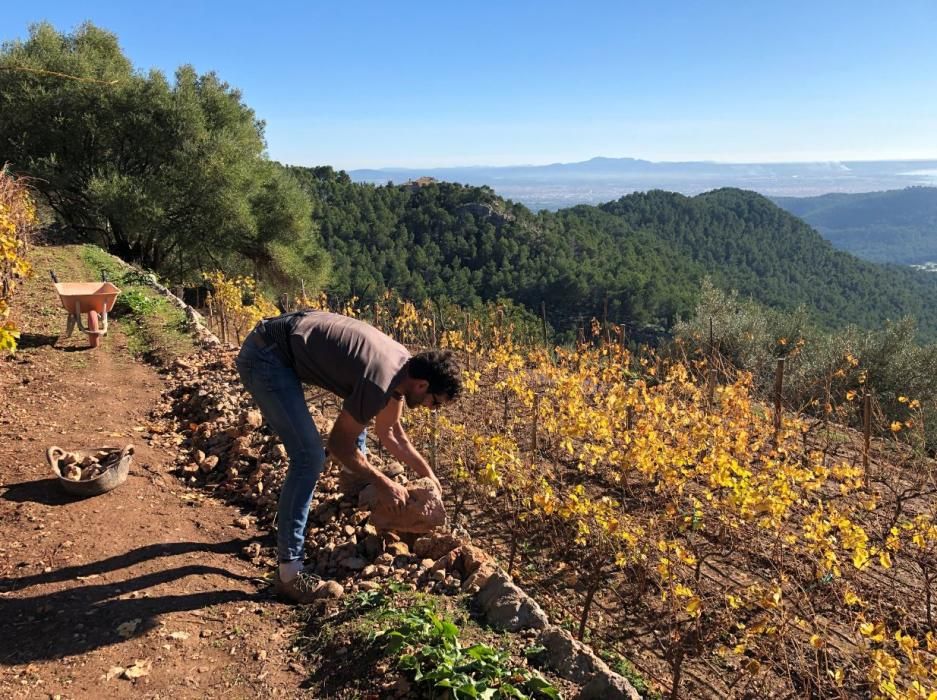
point(350, 358)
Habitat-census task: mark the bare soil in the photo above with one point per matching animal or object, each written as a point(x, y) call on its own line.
point(148, 577)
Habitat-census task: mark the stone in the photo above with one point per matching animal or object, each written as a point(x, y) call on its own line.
point(436, 546)
point(609, 686)
point(507, 607)
point(385, 559)
point(253, 419)
point(478, 578)
point(369, 586)
point(424, 511)
point(398, 549)
point(345, 551)
point(251, 551)
point(329, 589)
point(354, 563)
point(325, 511)
point(576, 662)
point(370, 571)
point(244, 522)
point(241, 446)
point(472, 558)
point(446, 561)
point(437, 575)
point(371, 547)
point(393, 469)
point(427, 563)
point(209, 463)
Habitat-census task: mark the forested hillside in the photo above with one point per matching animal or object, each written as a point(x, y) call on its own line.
point(898, 226)
point(645, 253)
point(747, 243)
point(467, 245)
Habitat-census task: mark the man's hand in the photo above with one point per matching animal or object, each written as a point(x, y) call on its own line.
point(395, 440)
point(392, 495)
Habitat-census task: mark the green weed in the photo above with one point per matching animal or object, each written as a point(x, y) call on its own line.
point(623, 667)
point(427, 644)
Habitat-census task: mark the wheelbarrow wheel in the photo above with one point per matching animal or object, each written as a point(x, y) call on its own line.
point(93, 336)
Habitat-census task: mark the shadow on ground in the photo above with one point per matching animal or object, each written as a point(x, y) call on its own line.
point(85, 617)
point(48, 492)
point(35, 340)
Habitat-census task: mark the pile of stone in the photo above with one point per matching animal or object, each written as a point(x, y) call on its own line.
point(80, 466)
point(223, 441)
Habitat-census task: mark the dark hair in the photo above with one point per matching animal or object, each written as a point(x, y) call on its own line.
point(440, 369)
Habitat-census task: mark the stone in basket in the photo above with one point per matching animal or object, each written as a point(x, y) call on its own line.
point(93, 471)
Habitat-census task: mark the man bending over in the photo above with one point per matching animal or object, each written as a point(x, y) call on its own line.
point(374, 375)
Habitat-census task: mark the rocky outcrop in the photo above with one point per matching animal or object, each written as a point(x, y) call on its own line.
point(480, 210)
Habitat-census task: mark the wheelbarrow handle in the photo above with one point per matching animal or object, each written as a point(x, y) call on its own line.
point(53, 276)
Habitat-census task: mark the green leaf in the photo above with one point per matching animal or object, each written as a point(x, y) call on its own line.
point(468, 689)
point(536, 684)
point(449, 629)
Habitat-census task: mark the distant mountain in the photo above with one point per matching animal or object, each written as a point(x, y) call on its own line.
point(642, 257)
point(599, 180)
point(898, 226)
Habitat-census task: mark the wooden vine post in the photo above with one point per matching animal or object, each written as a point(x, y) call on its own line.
point(866, 432)
point(543, 322)
point(711, 376)
point(434, 442)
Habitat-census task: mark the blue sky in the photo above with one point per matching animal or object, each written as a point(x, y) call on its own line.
point(371, 84)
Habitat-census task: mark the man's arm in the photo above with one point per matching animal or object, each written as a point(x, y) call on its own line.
point(342, 446)
point(395, 440)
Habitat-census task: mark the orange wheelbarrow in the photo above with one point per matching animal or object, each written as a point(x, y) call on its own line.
point(91, 299)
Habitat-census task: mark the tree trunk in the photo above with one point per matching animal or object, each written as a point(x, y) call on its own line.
point(676, 671)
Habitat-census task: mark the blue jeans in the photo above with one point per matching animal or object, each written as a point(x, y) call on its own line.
point(279, 395)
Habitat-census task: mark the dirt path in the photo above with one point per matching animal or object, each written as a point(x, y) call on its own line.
point(147, 577)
